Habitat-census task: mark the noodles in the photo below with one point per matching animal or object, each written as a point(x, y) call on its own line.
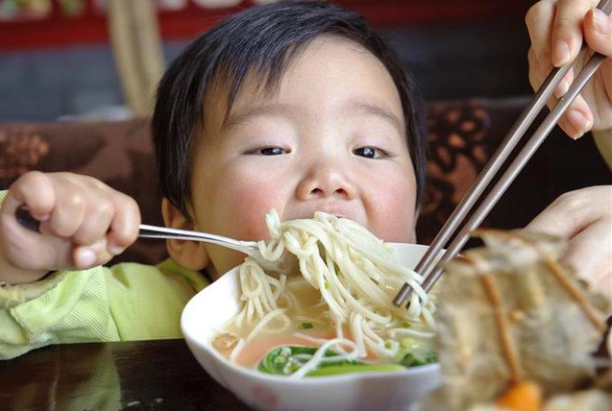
point(351, 278)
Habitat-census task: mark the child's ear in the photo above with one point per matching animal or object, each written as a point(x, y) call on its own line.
point(413, 236)
point(188, 254)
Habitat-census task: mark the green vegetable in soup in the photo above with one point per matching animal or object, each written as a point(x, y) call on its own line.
point(352, 368)
point(411, 360)
point(279, 360)
point(282, 361)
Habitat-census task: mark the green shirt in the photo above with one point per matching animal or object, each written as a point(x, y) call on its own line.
point(125, 302)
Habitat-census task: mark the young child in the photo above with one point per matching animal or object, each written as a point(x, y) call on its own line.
point(296, 106)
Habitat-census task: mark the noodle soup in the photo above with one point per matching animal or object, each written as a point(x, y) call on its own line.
point(207, 315)
point(331, 315)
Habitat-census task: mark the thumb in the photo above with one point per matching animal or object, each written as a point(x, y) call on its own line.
point(84, 257)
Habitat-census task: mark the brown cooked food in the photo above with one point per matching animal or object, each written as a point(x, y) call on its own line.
point(515, 323)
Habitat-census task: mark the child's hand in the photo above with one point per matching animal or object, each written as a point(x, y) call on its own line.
point(556, 29)
point(584, 217)
point(84, 223)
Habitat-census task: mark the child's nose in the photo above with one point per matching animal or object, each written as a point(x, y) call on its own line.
point(327, 181)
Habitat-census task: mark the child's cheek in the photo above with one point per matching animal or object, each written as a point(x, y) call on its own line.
point(392, 212)
point(251, 199)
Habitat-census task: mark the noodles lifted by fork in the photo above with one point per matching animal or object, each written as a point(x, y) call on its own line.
point(357, 276)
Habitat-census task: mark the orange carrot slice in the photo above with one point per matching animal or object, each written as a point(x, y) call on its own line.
point(521, 396)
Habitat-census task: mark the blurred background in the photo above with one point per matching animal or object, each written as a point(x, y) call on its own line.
point(89, 58)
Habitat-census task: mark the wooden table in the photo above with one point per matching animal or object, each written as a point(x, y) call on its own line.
point(142, 375)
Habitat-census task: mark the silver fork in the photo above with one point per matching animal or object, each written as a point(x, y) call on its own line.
point(247, 247)
point(288, 263)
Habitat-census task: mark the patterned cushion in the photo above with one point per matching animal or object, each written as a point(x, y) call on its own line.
point(463, 135)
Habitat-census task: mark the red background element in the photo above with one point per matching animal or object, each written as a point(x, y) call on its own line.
point(90, 27)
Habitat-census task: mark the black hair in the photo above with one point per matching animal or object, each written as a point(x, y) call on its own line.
point(262, 40)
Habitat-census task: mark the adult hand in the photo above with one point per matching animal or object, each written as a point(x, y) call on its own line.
point(557, 29)
point(584, 218)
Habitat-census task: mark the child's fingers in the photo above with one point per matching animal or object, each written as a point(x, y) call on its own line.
point(35, 190)
point(99, 213)
point(110, 216)
point(83, 222)
point(69, 211)
point(125, 224)
point(567, 30)
point(92, 255)
point(598, 31)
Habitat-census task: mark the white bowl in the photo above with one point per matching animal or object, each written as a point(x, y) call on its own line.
point(212, 307)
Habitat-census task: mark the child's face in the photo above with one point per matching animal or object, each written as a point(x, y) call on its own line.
point(332, 139)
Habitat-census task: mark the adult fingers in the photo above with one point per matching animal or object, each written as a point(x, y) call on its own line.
point(567, 30)
point(539, 21)
point(539, 69)
point(578, 118)
point(590, 253)
point(572, 212)
point(598, 31)
point(584, 218)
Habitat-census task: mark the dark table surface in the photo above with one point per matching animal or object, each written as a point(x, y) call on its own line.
point(132, 376)
point(140, 375)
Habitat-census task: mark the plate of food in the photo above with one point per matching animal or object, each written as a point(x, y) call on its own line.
point(320, 333)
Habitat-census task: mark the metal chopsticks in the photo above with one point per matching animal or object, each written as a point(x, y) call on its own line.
point(544, 93)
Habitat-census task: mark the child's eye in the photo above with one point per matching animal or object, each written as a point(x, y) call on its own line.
point(369, 152)
point(269, 151)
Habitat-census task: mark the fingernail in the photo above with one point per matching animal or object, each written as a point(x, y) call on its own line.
point(41, 217)
point(86, 258)
point(561, 54)
point(115, 250)
point(579, 122)
point(561, 88)
point(602, 22)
